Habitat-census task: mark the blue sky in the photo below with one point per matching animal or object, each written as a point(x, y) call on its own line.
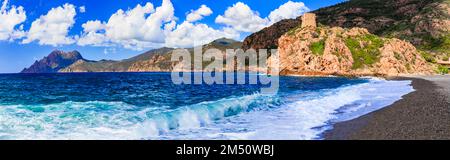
point(59, 25)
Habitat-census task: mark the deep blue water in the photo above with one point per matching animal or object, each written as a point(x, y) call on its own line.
point(140, 89)
point(150, 106)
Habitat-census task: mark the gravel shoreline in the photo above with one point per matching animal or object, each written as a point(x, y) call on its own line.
point(421, 115)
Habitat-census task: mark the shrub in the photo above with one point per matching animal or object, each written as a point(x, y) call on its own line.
point(318, 48)
point(397, 56)
point(442, 69)
point(428, 57)
point(445, 58)
point(408, 67)
point(441, 44)
point(376, 41)
point(293, 30)
point(366, 55)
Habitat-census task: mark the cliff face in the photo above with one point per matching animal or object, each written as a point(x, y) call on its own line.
point(338, 51)
point(424, 23)
point(54, 62)
point(158, 63)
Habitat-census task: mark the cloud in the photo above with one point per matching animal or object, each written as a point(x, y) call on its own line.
point(189, 34)
point(53, 28)
point(288, 10)
point(82, 9)
point(137, 28)
point(93, 39)
point(92, 34)
point(93, 26)
point(199, 13)
point(242, 18)
point(10, 17)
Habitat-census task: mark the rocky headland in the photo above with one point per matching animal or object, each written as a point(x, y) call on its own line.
point(350, 52)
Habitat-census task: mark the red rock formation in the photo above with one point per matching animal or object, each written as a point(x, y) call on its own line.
point(54, 62)
point(296, 57)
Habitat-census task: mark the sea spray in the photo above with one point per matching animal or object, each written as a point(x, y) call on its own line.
point(202, 114)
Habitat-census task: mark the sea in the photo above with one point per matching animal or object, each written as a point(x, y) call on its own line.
point(149, 106)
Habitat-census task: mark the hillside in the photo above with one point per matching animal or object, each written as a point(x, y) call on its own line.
point(113, 66)
point(424, 23)
point(152, 61)
point(162, 62)
point(55, 61)
point(349, 52)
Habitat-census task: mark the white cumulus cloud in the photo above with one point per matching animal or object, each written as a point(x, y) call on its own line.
point(93, 26)
point(242, 18)
point(199, 13)
point(287, 11)
point(137, 28)
point(93, 34)
point(189, 34)
point(93, 39)
point(53, 28)
point(10, 18)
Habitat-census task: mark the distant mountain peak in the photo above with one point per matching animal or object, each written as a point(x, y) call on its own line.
point(66, 55)
point(55, 61)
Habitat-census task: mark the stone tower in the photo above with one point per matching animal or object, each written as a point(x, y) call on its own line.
point(309, 19)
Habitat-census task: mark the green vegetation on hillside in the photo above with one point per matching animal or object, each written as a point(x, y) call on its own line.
point(397, 56)
point(365, 53)
point(442, 69)
point(441, 44)
point(318, 48)
point(427, 56)
point(292, 31)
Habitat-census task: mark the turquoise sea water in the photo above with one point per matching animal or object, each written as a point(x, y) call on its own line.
point(150, 106)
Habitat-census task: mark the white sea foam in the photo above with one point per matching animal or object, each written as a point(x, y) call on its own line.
point(298, 120)
point(74, 120)
point(307, 117)
point(378, 94)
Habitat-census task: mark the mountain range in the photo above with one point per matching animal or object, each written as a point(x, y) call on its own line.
point(425, 24)
point(156, 60)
